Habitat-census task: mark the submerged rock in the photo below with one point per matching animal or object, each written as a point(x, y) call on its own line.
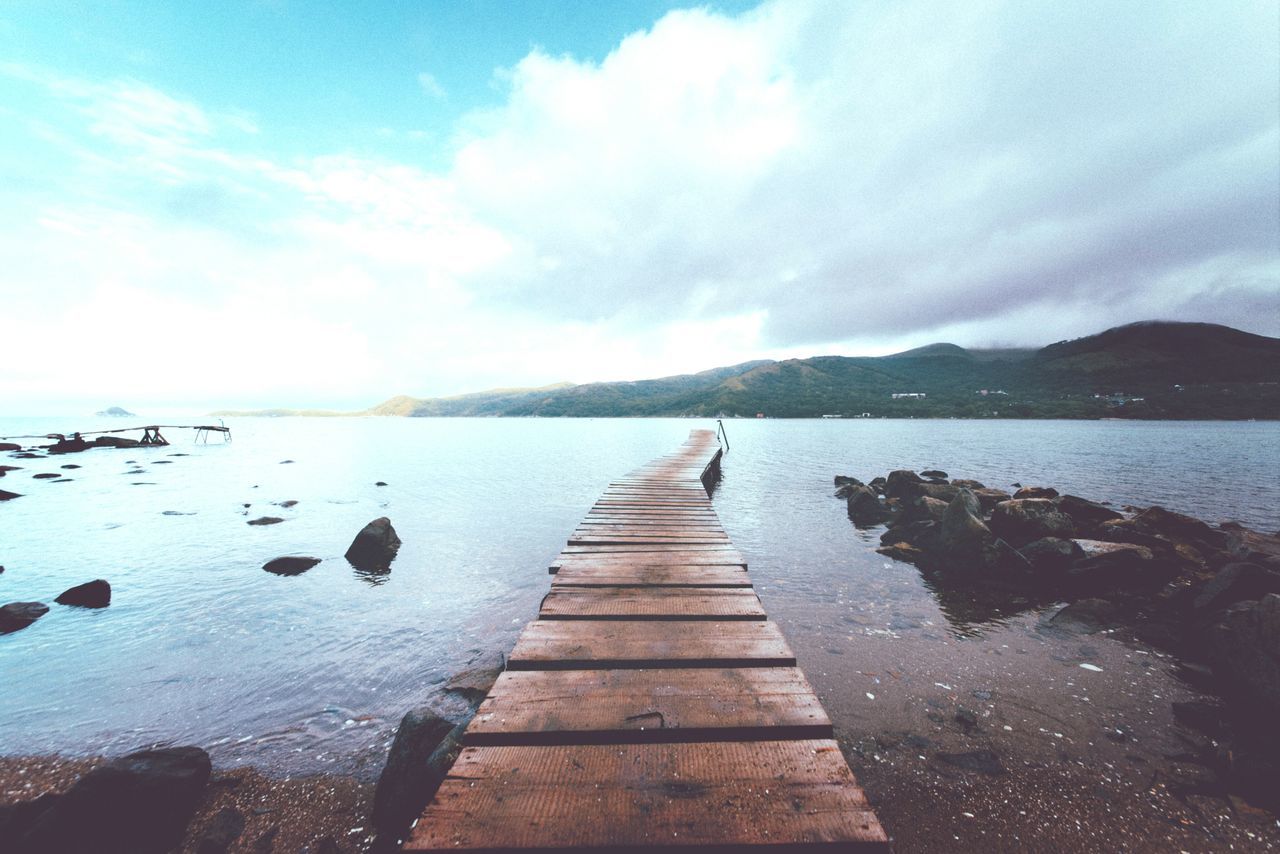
point(475, 681)
point(1086, 615)
point(223, 831)
point(266, 520)
point(91, 594)
point(375, 546)
point(139, 804)
point(981, 761)
point(19, 615)
point(290, 565)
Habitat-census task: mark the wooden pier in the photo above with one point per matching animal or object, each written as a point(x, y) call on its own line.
point(652, 704)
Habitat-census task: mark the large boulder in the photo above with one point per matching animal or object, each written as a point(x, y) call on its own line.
point(9, 446)
point(475, 680)
point(1245, 650)
point(940, 491)
point(1036, 492)
point(1087, 516)
point(902, 483)
point(846, 480)
point(19, 615)
point(139, 804)
point(1160, 522)
point(1234, 583)
point(989, 498)
point(1023, 520)
point(965, 542)
point(922, 508)
point(1051, 555)
point(290, 565)
point(421, 754)
point(375, 546)
point(865, 507)
point(91, 594)
point(1112, 566)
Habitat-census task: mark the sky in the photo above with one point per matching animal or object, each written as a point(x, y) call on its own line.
point(276, 203)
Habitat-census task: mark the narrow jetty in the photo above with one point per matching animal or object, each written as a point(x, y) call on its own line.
point(652, 703)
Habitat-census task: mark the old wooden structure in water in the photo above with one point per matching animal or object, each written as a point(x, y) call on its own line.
point(652, 704)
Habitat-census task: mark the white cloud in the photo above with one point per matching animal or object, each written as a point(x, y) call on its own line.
point(431, 86)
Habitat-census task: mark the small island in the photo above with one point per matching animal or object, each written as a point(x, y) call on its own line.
point(115, 412)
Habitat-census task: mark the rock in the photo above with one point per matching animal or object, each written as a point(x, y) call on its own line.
point(1023, 520)
point(9, 446)
point(19, 615)
point(139, 804)
point(290, 565)
point(326, 845)
point(1087, 516)
point(989, 498)
point(287, 504)
point(902, 483)
point(266, 841)
point(963, 535)
point(91, 594)
point(1051, 555)
point(375, 546)
point(266, 520)
point(475, 681)
point(922, 534)
point(981, 761)
point(940, 491)
point(1245, 650)
point(1109, 566)
point(904, 552)
point(845, 480)
point(381, 483)
point(9, 496)
point(1234, 583)
point(864, 506)
point(223, 831)
point(116, 442)
point(969, 500)
point(1175, 526)
point(877, 484)
point(921, 508)
point(967, 720)
point(420, 756)
point(46, 475)
point(70, 466)
point(115, 412)
point(1086, 615)
point(1036, 492)
point(934, 473)
point(968, 484)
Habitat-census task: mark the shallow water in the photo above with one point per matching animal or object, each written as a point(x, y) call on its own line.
point(313, 672)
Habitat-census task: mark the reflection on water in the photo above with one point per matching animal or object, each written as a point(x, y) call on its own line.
point(312, 672)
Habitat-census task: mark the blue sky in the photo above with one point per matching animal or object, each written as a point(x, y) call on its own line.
point(341, 202)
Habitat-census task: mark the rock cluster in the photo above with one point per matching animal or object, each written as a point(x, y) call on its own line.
point(1211, 594)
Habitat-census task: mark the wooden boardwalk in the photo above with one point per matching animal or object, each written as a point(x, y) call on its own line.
point(652, 704)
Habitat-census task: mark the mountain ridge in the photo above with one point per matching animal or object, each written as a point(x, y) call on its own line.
point(1151, 369)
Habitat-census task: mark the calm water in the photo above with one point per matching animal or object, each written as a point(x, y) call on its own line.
point(313, 672)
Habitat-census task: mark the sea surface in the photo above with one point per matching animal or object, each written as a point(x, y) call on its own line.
point(312, 673)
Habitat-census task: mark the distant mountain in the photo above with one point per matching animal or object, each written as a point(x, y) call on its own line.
point(115, 412)
point(1143, 370)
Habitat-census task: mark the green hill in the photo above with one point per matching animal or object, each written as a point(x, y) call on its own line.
point(1143, 370)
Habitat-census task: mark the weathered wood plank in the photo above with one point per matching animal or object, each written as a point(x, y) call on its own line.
point(577, 645)
point(676, 575)
point(730, 795)
point(634, 706)
point(651, 603)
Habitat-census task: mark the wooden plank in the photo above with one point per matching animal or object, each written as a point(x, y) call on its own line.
point(578, 645)
point(648, 559)
point(730, 795)
point(637, 706)
point(651, 603)
point(676, 575)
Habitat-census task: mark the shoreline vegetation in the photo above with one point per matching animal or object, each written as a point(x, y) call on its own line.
point(1142, 371)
